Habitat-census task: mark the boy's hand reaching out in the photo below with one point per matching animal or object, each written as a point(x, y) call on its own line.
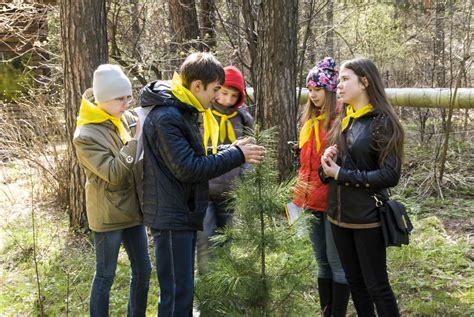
point(253, 153)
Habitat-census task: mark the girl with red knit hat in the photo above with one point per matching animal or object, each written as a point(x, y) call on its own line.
point(311, 194)
point(232, 116)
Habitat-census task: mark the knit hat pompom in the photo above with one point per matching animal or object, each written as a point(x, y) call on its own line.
point(324, 75)
point(110, 82)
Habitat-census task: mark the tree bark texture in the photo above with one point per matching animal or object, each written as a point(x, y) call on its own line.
point(84, 40)
point(249, 13)
point(330, 29)
point(136, 29)
point(276, 103)
point(439, 55)
point(184, 24)
point(208, 23)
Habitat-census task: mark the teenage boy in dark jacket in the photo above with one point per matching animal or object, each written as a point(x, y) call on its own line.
point(177, 167)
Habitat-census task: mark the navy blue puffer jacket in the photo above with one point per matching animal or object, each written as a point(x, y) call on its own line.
point(175, 168)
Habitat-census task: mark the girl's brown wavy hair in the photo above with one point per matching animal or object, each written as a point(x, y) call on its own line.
point(392, 143)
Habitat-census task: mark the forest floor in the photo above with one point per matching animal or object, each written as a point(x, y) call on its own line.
point(433, 276)
point(65, 259)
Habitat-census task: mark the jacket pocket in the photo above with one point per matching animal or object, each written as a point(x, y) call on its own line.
point(122, 206)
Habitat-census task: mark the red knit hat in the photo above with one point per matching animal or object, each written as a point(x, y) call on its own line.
point(234, 78)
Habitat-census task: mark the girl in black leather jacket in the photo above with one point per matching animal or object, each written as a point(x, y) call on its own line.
point(364, 160)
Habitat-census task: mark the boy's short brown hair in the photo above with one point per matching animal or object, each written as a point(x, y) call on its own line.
point(201, 66)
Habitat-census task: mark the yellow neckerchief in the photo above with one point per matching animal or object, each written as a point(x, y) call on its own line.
point(305, 132)
point(90, 113)
point(350, 113)
point(211, 127)
point(222, 126)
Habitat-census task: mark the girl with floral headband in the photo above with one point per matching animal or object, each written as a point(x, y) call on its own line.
point(311, 194)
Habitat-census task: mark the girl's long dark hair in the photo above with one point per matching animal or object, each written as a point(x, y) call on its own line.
point(393, 143)
point(329, 108)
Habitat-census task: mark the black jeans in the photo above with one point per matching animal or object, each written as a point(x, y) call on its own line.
point(364, 259)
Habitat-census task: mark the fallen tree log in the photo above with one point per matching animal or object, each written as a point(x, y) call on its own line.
point(417, 97)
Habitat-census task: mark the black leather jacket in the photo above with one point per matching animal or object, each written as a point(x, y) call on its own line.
point(175, 168)
point(350, 202)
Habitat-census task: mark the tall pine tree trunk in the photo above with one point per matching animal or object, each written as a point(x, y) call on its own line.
point(250, 16)
point(208, 23)
point(276, 103)
point(330, 29)
point(184, 24)
point(134, 10)
point(84, 40)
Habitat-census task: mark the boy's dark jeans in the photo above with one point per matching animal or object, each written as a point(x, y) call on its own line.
point(364, 259)
point(174, 260)
point(107, 246)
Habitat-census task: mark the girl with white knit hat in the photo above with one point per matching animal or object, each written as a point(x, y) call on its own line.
point(106, 145)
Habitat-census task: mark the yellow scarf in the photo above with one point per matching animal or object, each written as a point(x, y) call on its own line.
point(211, 128)
point(350, 113)
point(90, 113)
point(305, 132)
point(222, 126)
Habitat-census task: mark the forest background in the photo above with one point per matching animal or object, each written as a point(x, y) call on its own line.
point(49, 49)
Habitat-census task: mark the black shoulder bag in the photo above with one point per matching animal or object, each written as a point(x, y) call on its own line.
point(396, 226)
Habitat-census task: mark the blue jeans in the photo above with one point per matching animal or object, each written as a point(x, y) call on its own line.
point(174, 256)
point(329, 264)
point(107, 246)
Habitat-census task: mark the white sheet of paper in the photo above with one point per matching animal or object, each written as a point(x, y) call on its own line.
point(292, 212)
point(142, 114)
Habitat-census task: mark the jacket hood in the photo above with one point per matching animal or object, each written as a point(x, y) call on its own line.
point(88, 95)
point(158, 93)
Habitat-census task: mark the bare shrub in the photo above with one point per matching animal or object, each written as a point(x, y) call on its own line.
point(33, 131)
